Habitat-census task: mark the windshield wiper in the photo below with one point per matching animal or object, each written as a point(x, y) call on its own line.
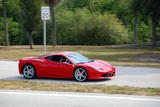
point(85, 62)
point(81, 63)
point(91, 61)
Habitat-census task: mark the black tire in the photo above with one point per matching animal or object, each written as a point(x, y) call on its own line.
point(80, 74)
point(29, 71)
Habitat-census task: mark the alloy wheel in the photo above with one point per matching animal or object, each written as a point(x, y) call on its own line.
point(80, 74)
point(29, 72)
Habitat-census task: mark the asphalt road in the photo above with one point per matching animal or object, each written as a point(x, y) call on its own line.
point(54, 99)
point(125, 76)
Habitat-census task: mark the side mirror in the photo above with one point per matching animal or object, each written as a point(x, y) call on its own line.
point(65, 63)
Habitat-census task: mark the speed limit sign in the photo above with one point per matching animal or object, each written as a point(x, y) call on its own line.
point(45, 14)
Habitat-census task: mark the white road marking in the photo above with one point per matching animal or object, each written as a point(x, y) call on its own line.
point(82, 96)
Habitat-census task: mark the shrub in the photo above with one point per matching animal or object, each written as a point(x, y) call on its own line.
point(81, 27)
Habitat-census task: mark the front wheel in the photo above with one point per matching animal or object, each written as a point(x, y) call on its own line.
point(80, 74)
point(29, 71)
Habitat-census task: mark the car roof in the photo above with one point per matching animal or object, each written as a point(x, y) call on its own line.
point(63, 53)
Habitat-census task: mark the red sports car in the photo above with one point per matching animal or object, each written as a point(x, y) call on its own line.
point(68, 65)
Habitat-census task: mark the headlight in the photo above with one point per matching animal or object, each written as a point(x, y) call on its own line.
point(94, 67)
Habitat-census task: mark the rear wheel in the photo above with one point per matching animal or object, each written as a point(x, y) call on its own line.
point(80, 74)
point(29, 71)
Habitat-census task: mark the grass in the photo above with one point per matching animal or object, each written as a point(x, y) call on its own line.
point(60, 87)
point(115, 56)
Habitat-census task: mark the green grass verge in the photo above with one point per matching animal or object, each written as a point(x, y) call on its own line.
point(115, 56)
point(60, 87)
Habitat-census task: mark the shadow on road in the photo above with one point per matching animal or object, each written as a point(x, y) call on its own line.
point(21, 78)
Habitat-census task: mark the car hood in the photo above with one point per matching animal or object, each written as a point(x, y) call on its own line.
point(100, 66)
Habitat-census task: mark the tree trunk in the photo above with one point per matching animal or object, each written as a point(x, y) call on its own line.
point(91, 5)
point(154, 36)
point(52, 12)
point(5, 22)
point(128, 27)
point(135, 30)
point(30, 40)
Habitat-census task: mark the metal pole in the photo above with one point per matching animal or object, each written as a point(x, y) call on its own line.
point(44, 36)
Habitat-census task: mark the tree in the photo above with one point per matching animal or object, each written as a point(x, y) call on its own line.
point(52, 4)
point(135, 9)
point(5, 22)
point(73, 4)
point(31, 17)
point(151, 10)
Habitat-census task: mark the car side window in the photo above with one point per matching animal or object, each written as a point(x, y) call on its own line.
point(58, 58)
point(54, 58)
point(66, 60)
point(49, 58)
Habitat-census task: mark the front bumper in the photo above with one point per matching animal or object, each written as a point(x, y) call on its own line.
point(101, 75)
point(108, 74)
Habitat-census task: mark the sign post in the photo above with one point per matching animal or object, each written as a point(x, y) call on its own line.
point(44, 36)
point(45, 15)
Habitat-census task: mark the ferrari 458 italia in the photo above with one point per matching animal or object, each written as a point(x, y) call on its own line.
point(69, 65)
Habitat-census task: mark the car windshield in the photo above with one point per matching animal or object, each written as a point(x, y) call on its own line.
point(78, 58)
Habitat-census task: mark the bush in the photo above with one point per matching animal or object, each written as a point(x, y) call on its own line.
point(13, 30)
point(86, 28)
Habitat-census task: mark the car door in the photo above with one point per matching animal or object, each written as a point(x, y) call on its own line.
point(58, 69)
